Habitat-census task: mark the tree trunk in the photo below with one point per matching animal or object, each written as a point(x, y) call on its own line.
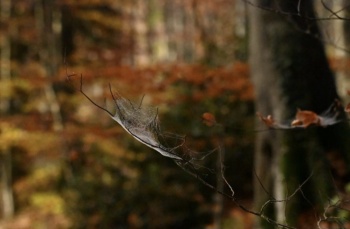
point(289, 70)
point(141, 49)
point(158, 39)
point(5, 75)
point(339, 30)
point(48, 17)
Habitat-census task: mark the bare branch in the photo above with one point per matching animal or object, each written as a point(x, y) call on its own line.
point(335, 13)
point(86, 96)
point(261, 184)
point(221, 151)
point(298, 7)
point(287, 13)
point(333, 16)
point(143, 125)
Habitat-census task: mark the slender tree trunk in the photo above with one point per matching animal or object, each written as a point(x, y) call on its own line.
point(289, 70)
point(48, 16)
point(5, 74)
point(141, 49)
point(175, 19)
point(338, 28)
point(6, 184)
point(158, 39)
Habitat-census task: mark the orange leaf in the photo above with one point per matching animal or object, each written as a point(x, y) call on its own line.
point(347, 108)
point(268, 120)
point(306, 118)
point(209, 119)
point(296, 122)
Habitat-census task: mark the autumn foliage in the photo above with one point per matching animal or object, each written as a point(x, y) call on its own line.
point(73, 167)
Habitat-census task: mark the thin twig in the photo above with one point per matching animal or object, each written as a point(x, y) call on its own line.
point(223, 171)
point(93, 102)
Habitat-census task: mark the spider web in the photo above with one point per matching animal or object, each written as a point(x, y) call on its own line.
point(142, 123)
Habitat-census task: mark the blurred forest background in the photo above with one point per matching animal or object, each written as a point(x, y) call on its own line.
point(65, 164)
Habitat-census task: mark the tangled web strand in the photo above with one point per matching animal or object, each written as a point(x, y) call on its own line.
point(142, 123)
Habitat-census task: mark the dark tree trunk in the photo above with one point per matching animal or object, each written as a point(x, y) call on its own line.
point(290, 70)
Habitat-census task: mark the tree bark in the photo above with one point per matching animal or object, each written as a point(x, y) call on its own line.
point(48, 17)
point(158, 39)
point(289, 70)
point(141, 48)
point(339, 30)
point(5, 75)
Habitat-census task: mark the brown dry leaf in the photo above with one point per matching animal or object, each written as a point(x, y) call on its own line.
point(268, 120)
point(208, 119)
point(306, 118)
point(347, 108)
point(296, 122)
